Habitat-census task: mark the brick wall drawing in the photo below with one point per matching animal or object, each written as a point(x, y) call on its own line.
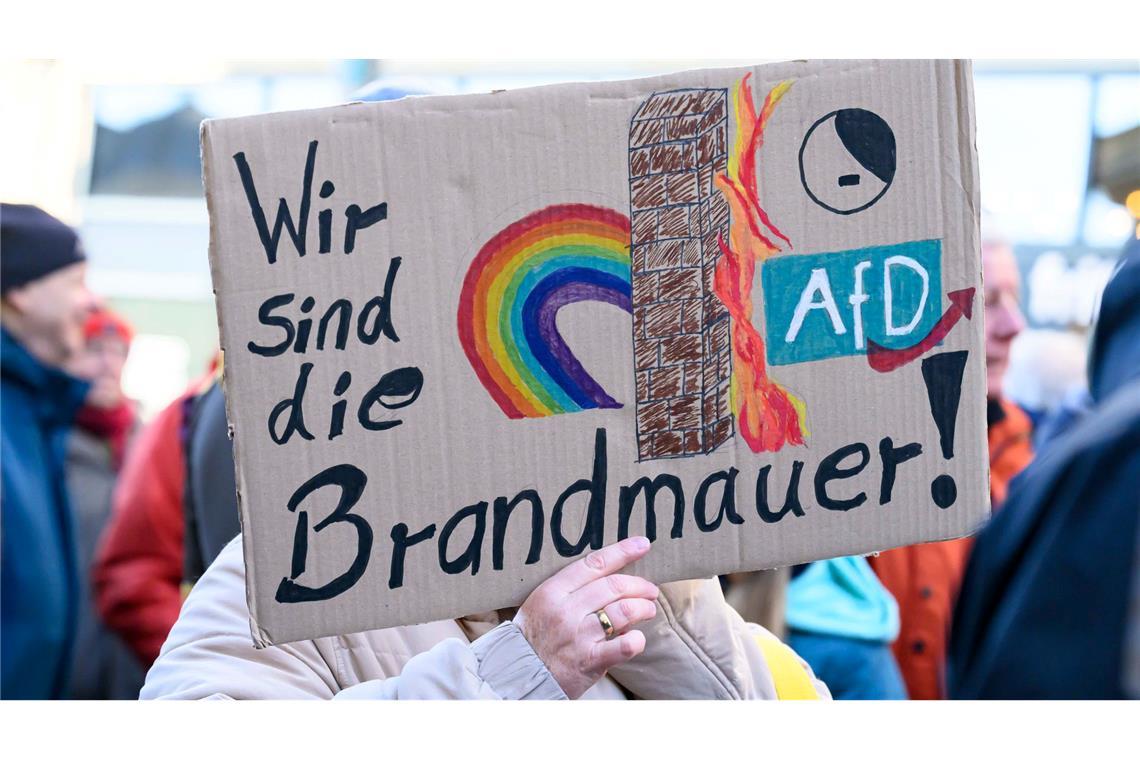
point(678, 142)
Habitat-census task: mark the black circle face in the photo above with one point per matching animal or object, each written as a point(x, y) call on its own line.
point(847, 160)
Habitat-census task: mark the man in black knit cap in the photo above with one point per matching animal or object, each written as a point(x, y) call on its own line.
point(44, 303)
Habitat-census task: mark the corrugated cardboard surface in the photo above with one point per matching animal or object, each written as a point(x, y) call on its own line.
point(455, 172)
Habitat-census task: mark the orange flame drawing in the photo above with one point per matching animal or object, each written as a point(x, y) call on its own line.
point(768, 416)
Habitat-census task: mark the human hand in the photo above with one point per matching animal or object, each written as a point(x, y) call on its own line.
point(559, 617)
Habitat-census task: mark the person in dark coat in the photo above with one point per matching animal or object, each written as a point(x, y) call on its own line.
point(1044, 604)
point(210, 507)
point(44, 303)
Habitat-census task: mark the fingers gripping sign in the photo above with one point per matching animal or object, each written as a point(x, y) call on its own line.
point(560, 618)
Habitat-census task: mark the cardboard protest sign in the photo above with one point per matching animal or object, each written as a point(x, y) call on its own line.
point(468, 339)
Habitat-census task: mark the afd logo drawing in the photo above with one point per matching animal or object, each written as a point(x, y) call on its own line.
point(847, 160)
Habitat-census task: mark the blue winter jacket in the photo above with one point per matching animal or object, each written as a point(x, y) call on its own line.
point(38, 574)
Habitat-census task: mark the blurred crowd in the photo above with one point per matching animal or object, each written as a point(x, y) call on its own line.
point(107, 523)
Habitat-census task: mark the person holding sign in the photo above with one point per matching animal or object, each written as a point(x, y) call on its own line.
point(589, 631)
point(397, 388)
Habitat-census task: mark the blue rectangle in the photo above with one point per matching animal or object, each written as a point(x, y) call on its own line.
point(827, 305)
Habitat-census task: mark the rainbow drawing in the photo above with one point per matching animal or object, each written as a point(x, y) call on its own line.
point(512, 292)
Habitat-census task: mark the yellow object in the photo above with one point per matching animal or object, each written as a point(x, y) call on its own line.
point(789, 676)
point(1132, 203)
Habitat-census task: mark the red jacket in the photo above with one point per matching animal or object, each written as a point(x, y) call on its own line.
point(924, 578)
point(138, 570)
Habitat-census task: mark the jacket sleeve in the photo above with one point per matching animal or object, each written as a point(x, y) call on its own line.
point(705, 647)
point(138, 569)
point(210, 655)
point(498, 665)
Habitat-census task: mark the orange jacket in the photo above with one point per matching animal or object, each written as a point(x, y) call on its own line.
point(924, 578)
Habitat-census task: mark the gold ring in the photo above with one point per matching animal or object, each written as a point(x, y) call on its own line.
point(607, 625)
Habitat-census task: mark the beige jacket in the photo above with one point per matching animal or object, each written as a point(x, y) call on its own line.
point(696, 648)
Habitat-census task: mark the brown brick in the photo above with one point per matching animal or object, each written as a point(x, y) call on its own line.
point(706, 147)
point(722, 386)
point(666, 444)
point(710, 99)
point(720, 166)
point(708, 407)
point(710, 373)
point(680, 283)
point(645, 288)
point(639, 162)
point(722, 406)
point(714, 309)
point(691, 317)
point(664, 255)
point(701, 211)
point(680, 102)
point(674, 222)
point(645, 446)
point(682, 187)
point(724, 364)
point(705, 180)
point(710, 146)
point(644, 133)
point(639, 322)
point(663, 104)
point(713, 363)
point(714, 115)
point(641, 383)
point(695, 223)
point(717, 434)
point(717, 211)
point(709, 276)
point(710, 246)
point(644, 226)
point(692, 442)
point(664, 382)
point(719, 337)
point(648, 192)
point(670, 158)
point(721, 431)
point(679, 349)
point(692, 378)
point(682, 127)
point(685, 412)
point(646, 356)
point(653, 417)
point(691, 256)
point(663, 319)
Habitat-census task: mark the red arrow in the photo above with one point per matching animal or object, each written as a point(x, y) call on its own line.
point(886, 359)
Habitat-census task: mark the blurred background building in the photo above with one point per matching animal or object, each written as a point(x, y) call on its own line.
point(114, 150)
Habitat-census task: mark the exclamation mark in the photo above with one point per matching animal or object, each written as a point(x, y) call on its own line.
point(943, 376)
